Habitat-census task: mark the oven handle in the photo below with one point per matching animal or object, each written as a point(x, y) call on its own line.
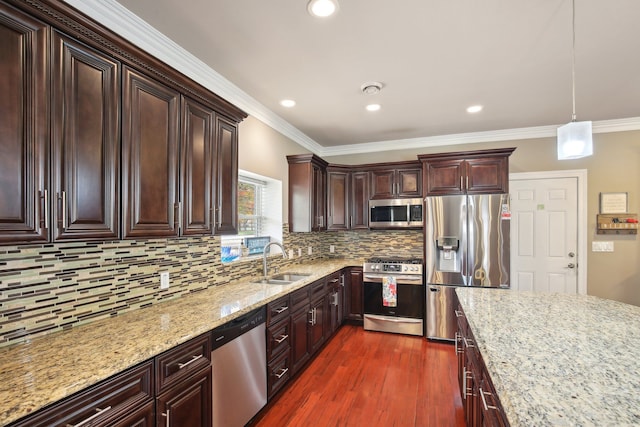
point(393, 319)
point(398, 278)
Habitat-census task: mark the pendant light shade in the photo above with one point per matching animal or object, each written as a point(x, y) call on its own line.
point(575, 140)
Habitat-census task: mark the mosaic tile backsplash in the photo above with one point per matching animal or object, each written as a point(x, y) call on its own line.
point(50, 287)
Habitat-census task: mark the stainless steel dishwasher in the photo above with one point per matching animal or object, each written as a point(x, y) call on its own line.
point(239, 359)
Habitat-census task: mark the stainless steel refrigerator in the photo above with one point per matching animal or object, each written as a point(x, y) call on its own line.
point(466, 244)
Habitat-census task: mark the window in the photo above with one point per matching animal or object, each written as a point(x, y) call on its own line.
point(259, 214)
point(250, 195)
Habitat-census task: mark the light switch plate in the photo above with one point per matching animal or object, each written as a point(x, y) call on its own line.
point(332, 248)
point(602, 246)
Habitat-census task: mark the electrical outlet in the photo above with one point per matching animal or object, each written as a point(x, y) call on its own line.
point(164, 280)
point(290, 253)
point(310, 250)
point(332, 248)
point(299, 252)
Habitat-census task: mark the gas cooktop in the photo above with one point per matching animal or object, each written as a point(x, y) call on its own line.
point(394, 260)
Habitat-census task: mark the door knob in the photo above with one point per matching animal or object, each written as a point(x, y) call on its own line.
point(571, 265)
point(571, 254)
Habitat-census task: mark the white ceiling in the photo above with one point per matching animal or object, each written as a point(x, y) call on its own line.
point(434, 57)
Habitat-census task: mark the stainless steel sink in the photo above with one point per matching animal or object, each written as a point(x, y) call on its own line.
point(284, 278)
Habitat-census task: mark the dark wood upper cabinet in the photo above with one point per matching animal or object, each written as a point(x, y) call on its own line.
point(337, 200)
point(85, 134)
point(197, 160)
point(226, 175)
point(469, 172)
point(307, 193)
point(359, 198)
point(24, 121)
point(150, 137)
point(397, 181)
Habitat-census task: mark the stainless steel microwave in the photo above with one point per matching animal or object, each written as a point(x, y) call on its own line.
point(396, 213)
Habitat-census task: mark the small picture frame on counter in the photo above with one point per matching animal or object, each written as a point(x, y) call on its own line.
point(614, 203)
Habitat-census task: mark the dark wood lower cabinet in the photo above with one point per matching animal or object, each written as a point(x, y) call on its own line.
point(353, 295)
point(300, 338)
point(143, 417)
point(187, 404)
point(479, 399)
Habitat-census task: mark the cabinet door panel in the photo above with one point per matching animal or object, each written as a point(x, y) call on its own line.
point(299, 338)
point(150, 157)
point(86, 143)
point(445, 177)
point(23, 126)
point(337, 196)
point(198, 147)
point(354, 306)
point(382, 183)
point(359, 200)
point(409, 183)
point(188, 404)
point(227, 177)
point(488, 175)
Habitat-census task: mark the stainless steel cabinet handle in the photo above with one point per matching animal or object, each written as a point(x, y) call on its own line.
point(92, 417)
point(467, 341)
point(335, 280)
point(281, 309)
point(461, 183)
point(484, 401)
point(467, 182)
point(458, 313)
point(168, 416)
point(46, 209)
point(64, 209)
point(193, 359)
point(468, 385)
point(282, 372)
point(282, 338)
point(311, 314)
point(464, 382)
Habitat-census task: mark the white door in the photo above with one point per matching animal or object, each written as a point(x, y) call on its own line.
point(544, 234)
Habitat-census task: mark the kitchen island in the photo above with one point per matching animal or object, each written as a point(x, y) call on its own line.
point(556, 359)
point(47, 369)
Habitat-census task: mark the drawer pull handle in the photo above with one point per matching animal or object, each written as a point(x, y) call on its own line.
point(484, 401)
point(282, 372)
point(281, 309)
point(92, 417)
point(467, 341)
point(193, 359)
point(167, 416)
point(458, 313)
point(282, 338)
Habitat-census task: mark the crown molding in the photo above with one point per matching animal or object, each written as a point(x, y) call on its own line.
point(123, 22)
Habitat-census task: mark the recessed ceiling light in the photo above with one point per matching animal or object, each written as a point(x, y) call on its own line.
point(288, 103)
point(373, 107)
point(474, 109)
point(322, 8)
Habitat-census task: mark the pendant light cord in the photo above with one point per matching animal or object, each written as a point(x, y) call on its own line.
point(573, 58)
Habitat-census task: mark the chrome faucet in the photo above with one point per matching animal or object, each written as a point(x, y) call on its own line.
point(264, 256)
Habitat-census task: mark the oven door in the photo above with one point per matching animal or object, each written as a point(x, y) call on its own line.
point(410, 296)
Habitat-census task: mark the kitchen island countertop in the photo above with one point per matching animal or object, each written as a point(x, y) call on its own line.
point(46, 369)
point(557, 359)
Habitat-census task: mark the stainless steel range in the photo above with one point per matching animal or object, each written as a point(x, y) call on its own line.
point(394, 295)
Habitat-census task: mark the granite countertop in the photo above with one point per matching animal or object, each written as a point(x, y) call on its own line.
point(556, 359)
point(47, 369)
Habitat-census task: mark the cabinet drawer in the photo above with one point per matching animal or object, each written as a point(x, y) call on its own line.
point(182, 361)
point(300, 298)
point(278, 337)
point(277, 310)
point(318, 288)
point(333, 281)
point(107, 403)
point(278, 373)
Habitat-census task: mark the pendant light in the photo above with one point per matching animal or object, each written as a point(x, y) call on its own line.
point(575, 138)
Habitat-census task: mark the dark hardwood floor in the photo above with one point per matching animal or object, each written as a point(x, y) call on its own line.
point(364, 378)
